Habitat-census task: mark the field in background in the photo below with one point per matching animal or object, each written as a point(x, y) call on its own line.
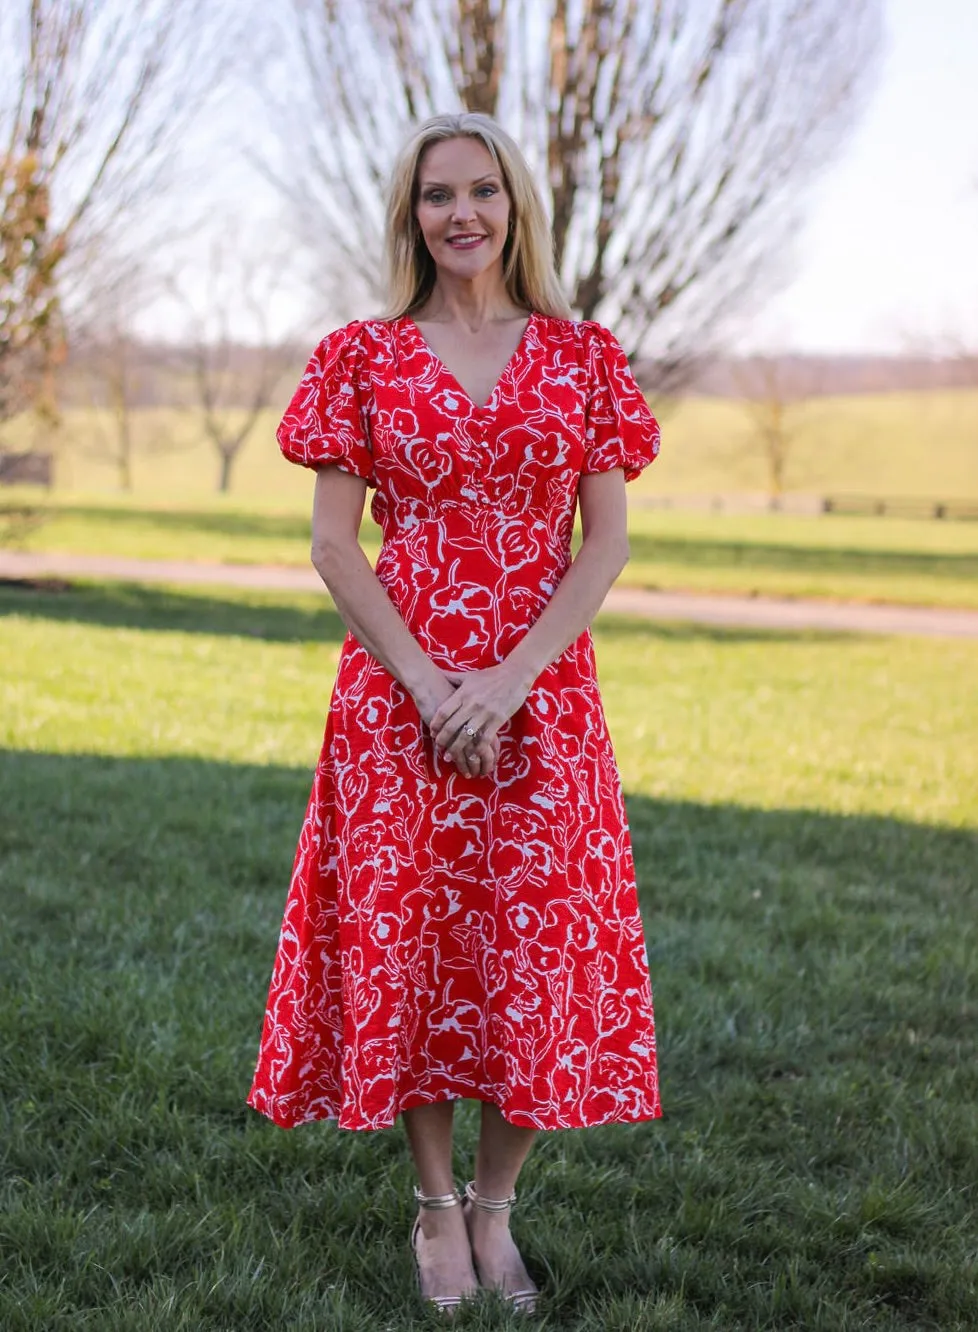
point(922, 443)
point(913, 444)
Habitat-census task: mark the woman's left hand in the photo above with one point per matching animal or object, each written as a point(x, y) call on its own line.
point(482, 702)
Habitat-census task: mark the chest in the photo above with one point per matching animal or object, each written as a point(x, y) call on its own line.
point(476, 362)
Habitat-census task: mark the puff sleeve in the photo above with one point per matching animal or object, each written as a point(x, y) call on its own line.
point(620, 429)
point(327, 420)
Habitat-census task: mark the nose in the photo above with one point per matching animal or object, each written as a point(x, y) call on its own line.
point(463, 210)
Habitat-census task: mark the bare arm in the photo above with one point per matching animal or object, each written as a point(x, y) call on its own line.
point(363, 603)
point(580, 593)
point(486, 699)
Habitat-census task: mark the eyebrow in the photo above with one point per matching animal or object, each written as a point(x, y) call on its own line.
point(490, 175)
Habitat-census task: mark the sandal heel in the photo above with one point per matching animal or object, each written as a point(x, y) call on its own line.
point(438, 1202)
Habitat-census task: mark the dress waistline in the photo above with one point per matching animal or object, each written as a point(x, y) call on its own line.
point(408, 513)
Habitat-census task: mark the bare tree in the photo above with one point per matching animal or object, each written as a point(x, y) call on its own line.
point(674, 138)
point(234, 357)
point(113, 372)
point(777, 392)
point(961, 360)
point(116, 373)
point(94, 96)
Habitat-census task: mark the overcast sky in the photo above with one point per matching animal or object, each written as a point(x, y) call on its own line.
point(890, 255)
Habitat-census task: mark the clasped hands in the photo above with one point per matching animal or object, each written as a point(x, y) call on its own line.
point(465, 723)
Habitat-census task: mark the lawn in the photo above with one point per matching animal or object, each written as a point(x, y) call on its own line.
point(805, 818)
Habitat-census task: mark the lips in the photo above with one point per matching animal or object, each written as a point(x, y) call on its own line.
point(467, 242)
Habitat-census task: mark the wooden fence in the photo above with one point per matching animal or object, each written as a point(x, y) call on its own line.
point(902, 507)
point(870, 506)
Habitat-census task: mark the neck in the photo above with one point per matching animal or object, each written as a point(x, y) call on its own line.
point(472, 302)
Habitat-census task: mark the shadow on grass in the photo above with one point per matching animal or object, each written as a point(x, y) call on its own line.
point(815, 978)
point(303, 617)
point(284, 617)
point(703, 553)
point(696, 552)
point(179, 522)
point(88, 839)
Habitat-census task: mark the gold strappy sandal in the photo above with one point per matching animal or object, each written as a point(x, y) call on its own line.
point(522, 1301)
point(435, 1203)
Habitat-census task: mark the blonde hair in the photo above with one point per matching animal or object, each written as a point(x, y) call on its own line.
point(528, 257)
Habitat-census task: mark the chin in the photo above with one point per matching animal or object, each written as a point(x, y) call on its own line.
point(470, 265)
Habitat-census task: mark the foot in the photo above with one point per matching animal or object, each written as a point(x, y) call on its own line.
point(497, 1259)
point(441, 1247)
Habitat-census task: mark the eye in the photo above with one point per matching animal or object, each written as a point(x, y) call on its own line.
point(486, 191)
point(434, 196)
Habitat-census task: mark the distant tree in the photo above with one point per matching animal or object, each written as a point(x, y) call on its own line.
point(673, 139)
point(777, 393)
point(963, 362)
point(94, 97)
point(113, 371)
point(116, 373)
point(233, 358)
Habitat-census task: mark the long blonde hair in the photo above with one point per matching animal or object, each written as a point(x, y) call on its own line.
point(528, 259)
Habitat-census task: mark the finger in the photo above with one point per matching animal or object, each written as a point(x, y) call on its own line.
point(482, 760)
point(456, 751)
point(442, 718)
point(468, 763)
point(461, 742)
point(458, 731)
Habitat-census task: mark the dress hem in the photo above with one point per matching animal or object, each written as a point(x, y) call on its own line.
point(285, 1117)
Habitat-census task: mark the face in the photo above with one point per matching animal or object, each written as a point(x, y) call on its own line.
point(462, 207)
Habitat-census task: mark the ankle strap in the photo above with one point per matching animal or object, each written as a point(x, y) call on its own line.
point(436, 1202)
point(488, 1204)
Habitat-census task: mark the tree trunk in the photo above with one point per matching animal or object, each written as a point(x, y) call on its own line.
point(227, 462)
point(673, 138)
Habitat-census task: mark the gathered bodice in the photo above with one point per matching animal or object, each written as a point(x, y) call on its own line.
point(476, 504)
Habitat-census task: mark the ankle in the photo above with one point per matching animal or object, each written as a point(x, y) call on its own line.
point(439, 1214)
point(441, 1225)
point(489, 1204)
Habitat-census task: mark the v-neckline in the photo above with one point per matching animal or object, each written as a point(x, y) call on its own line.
point(449, 374)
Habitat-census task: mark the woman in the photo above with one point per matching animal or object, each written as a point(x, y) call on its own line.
point(463, 919)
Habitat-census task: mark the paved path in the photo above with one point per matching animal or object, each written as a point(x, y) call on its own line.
point(744, 612)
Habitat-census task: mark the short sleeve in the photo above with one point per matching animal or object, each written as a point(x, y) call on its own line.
point(326, 421)
point(620, 429)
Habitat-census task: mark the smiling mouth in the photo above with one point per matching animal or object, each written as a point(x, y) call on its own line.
point(465, 242)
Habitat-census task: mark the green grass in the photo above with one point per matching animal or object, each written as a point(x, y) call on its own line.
point(857, 559)
point(840, 559)
point(804, 811)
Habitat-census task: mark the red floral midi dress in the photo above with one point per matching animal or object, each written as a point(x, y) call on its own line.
point(448, 936)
